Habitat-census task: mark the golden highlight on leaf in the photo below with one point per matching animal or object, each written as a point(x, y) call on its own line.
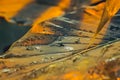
point(41, 29)
point(111, 8)
point(50, 13)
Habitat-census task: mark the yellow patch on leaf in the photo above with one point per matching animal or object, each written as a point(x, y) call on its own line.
point(50, 13)
point(9, 8)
